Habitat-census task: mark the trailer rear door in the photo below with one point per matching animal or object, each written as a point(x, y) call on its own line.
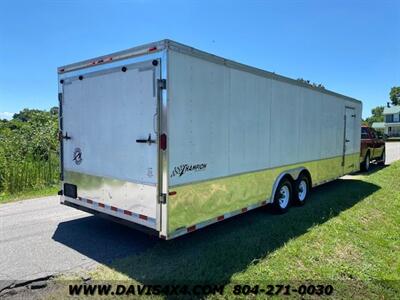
point(110, 136)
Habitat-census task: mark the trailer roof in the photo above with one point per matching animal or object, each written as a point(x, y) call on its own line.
point(175, 46)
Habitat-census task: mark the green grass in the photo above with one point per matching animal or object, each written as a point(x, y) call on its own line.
point(346, 235)
point(47, 191)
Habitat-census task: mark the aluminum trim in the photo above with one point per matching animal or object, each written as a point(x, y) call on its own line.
point(112, 178)
point(184, 230)
point(112, 69)
point(158, 133)
point(113, 211)
point(123, 194)
point(164, 168)
point(119, 63)
point(116, 56)
point(61, 132)
point(195, 203)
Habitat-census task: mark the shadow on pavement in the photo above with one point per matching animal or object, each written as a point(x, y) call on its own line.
point(102, 240)
point(212, 254)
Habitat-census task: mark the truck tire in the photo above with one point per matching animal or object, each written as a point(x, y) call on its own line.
point(382, 159)
point(283, 196)
point(366, 163)
point(302, 188)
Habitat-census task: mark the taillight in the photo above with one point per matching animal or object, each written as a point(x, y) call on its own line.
point(163, 142)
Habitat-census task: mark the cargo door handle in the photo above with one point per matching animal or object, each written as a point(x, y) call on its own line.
point(148, 141)
point(347, 141)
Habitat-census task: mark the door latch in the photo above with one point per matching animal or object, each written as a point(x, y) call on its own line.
point(148, 141)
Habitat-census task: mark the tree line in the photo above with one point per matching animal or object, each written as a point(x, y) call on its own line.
point(29, 150)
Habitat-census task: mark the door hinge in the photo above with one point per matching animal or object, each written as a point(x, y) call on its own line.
point(162, 84)
point(163, 198)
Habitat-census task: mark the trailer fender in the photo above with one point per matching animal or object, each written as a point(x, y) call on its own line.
point(292, 173)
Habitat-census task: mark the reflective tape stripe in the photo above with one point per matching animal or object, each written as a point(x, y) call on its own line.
point(127, 212)
point(191, 228)
point(134, 216)
point(143, 217)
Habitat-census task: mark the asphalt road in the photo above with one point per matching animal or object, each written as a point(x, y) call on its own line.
point(40, 238)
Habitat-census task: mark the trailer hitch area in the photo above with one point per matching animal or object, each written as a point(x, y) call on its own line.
point(149, 141)
point(61, 136)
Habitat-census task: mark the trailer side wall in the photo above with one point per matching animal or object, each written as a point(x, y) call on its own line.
point(231, 133)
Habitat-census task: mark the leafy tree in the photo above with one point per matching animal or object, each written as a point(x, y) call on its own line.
point(377, 115)
point(395, 95)
point(54, 111)
point(28, 150)
point(26, 114)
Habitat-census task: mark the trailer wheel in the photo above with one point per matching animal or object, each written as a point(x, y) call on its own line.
point(365, 164)
point(283, 196)
point(302, 188)
point(382, 159)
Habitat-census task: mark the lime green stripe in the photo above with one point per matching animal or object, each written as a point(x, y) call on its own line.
point(197, 202)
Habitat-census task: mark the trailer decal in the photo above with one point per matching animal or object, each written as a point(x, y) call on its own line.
point(77, 156)
point(182, 169)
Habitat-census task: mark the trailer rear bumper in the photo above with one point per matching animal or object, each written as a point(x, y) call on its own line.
point(111, 212)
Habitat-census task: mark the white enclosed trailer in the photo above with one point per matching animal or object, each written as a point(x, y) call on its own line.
point(172, 139)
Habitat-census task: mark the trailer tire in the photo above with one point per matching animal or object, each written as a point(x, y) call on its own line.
point(302, 188)
point(382, 159)
point(366, 163)
point(283, 196)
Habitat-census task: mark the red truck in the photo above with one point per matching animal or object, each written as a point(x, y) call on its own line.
point(372, 148)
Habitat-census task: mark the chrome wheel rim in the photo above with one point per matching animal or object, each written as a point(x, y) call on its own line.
point(367, 163)
point(284, 196)
point(302, 190)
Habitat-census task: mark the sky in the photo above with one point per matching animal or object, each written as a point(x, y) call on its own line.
point(351, 47)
